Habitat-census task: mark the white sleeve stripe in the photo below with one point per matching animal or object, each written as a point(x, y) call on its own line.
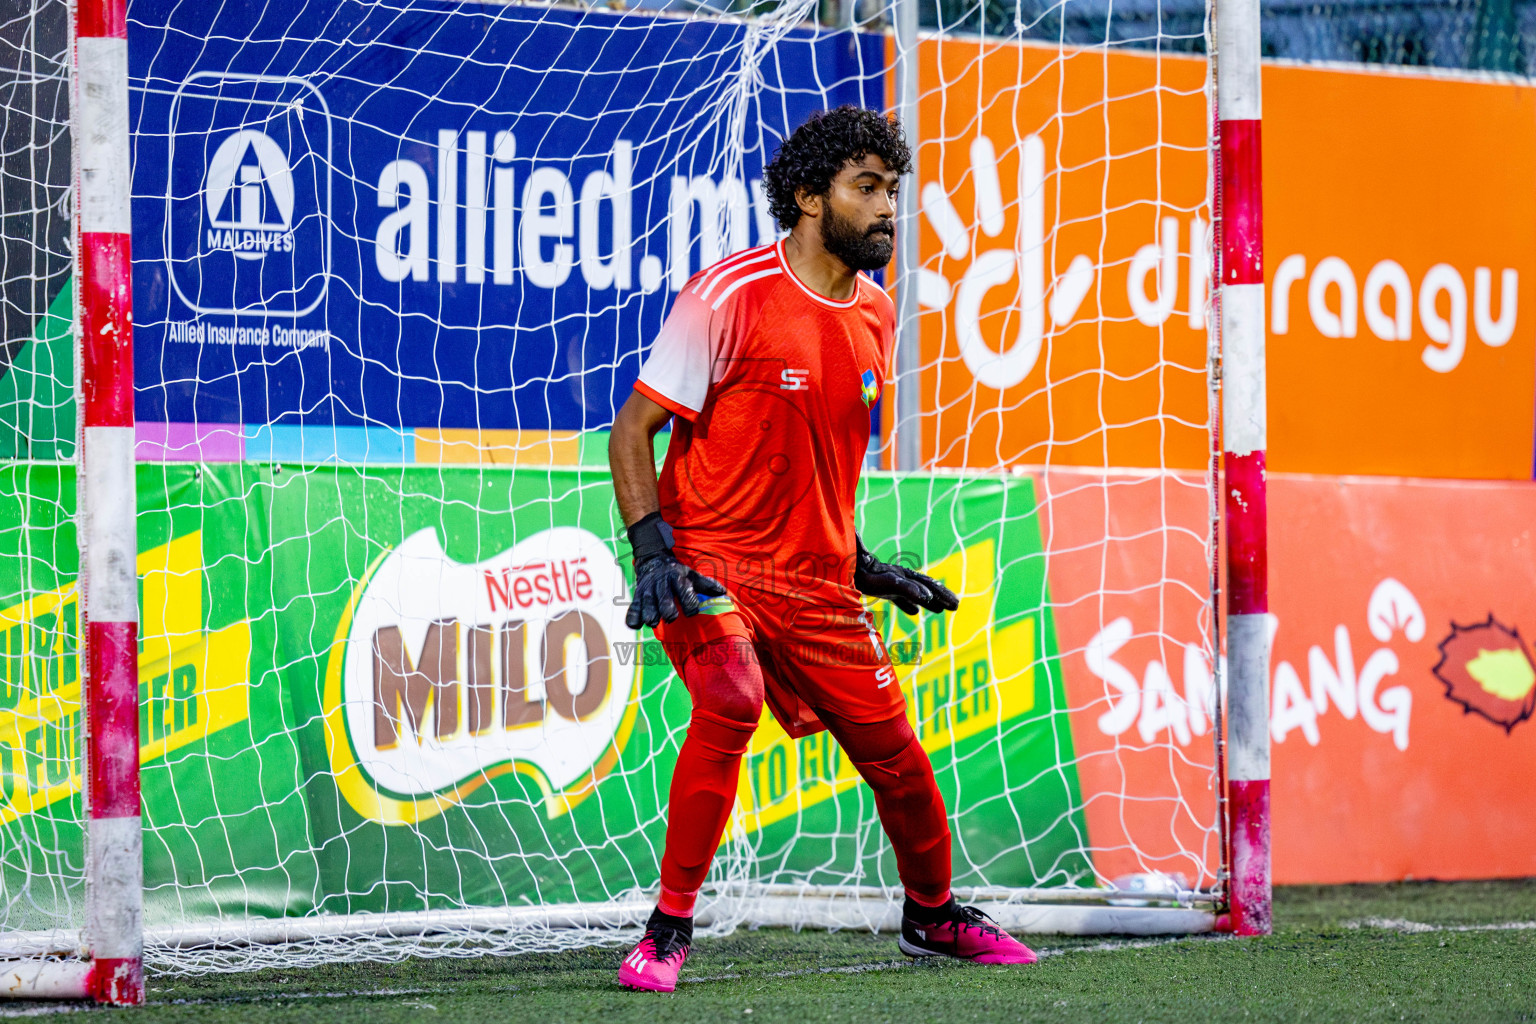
point(709, 284)
point(747, 279)
point(710, 274)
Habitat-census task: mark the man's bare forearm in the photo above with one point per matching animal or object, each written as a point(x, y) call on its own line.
point(634, 476)
point(631, 456)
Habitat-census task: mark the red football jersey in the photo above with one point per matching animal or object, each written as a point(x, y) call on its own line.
point(771, 385)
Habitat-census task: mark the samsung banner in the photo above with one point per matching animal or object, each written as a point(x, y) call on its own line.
point(423, 214)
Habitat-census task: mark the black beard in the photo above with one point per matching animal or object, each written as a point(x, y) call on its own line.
point(859, 250)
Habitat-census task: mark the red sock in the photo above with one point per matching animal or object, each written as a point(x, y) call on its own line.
point(727, 690)
point(893, 763)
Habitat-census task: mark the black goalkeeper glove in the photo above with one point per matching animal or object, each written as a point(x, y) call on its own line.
point(664, 587)
point(907, 589)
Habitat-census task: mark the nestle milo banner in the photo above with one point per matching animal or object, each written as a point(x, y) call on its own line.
point(398, 689)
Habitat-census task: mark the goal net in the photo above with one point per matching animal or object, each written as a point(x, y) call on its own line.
point(396, 264)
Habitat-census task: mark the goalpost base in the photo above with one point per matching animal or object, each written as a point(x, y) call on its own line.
point(1075, 912)
point(1027, 918)
point(45, 979)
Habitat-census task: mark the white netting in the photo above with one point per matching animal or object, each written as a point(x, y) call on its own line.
point(1065, 299)
point(37, 417)
point(396, 264)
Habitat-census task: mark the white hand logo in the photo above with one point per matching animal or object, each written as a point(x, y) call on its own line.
point(993, 268)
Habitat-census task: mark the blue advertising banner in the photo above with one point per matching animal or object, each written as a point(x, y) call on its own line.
point(446, 215)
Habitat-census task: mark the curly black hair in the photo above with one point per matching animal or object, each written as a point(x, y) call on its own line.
point(813, 155)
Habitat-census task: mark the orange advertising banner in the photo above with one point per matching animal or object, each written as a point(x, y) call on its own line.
point(1400, 243)
point(1402, 679)
point(1066, 254)
point(1403, 683)
point(1063, 320)
point(1130, 597)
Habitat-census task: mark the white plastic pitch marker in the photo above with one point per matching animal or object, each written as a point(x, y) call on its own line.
point(1244, 439)
point(107, 507)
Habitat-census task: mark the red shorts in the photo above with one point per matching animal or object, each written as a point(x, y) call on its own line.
point(812, 656)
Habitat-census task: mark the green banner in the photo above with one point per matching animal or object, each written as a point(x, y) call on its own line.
point(37, 387)
point(403, 688)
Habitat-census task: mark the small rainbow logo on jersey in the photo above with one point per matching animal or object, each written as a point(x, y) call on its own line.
point(871, 389)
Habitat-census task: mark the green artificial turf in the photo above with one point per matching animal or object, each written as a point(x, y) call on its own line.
point(1415, 951)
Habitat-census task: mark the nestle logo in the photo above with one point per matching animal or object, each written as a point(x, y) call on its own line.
point(447, 667)
point(539, 584)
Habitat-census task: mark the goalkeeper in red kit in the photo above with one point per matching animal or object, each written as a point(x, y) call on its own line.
point(746, 560)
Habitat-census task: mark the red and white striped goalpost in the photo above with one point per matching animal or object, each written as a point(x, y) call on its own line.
point(107, 507)
point(1244, 438)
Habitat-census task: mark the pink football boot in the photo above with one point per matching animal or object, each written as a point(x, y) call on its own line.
point(654, 963)
point(966, 934)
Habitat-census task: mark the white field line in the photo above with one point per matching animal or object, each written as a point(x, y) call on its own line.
point(896, 965)
point(42, 1009)
point(1399, 924)
point(1109, 946)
